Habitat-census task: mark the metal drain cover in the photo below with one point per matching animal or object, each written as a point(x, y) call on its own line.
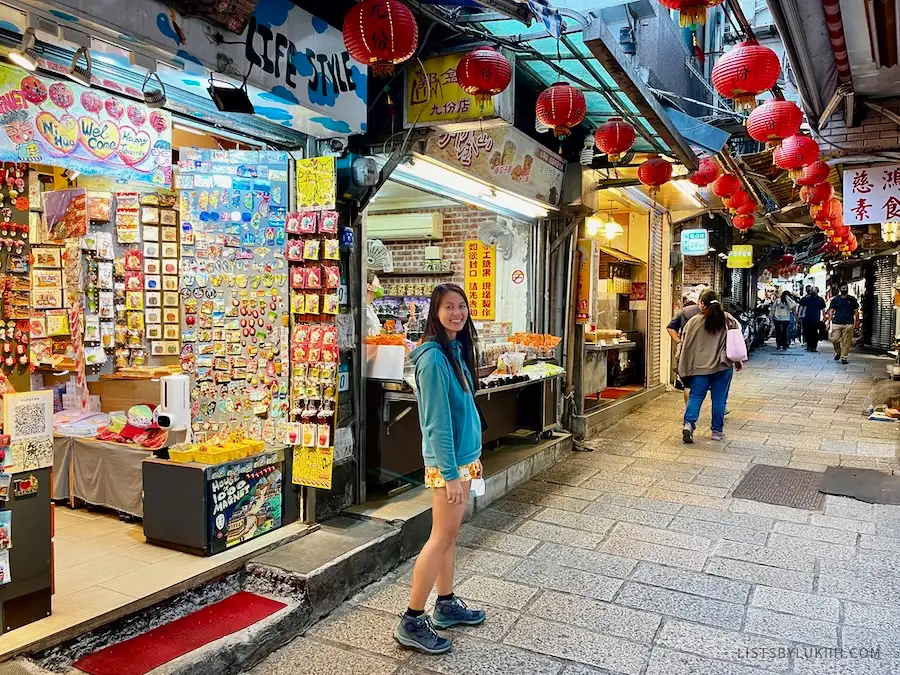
point(797, 488)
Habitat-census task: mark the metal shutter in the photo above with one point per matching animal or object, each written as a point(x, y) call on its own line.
point(882, 306)
point(654, 305)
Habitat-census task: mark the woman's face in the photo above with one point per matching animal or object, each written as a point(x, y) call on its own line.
point(453, 312)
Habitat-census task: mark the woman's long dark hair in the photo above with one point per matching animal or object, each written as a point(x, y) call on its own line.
point(713, 314)
point(467, 337)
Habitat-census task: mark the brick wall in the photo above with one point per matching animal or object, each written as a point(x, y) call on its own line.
point(874, 132)
point(460, 223)
point(699, 270)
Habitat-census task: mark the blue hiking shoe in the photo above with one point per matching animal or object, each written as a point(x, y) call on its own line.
point(453, 612)
point(418, 633)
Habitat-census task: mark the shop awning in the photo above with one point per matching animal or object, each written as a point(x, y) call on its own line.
point(698, 132)
point(621, 256)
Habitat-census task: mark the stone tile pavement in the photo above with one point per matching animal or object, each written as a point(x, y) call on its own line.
point(633, 559)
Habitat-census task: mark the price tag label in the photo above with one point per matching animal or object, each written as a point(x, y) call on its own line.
point(342, 295)
point(344, 378)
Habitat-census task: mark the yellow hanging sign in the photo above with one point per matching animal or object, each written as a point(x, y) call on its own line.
point(316, 184)
point(740, 257)
point(481, 280)
point(433, 95)
point(312, 467)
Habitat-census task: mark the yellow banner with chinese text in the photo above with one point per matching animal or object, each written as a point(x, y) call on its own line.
point(481, 280)
point(433, 95)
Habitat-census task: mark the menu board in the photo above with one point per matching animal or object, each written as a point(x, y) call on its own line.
point(481, 282)
point(234, 290)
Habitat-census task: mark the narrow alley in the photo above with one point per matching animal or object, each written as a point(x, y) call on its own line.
point(635, 559)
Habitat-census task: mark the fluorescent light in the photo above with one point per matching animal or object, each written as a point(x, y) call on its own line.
point(25, 56)
point(689, 190)
point(188, 130)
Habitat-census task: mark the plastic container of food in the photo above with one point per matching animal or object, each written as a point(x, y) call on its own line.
point(181, 456)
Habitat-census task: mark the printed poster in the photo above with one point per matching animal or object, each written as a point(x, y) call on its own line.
point(312, 467)
point(86, 130)
point(245, 502)
point(480, 280)
point(316, 184)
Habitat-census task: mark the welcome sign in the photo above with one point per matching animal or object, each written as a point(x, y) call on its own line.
point(87, 130)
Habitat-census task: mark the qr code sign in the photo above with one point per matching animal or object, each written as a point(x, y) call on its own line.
point(30, 420)
point(28, 416)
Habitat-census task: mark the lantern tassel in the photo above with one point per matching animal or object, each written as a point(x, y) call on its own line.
point(689, 16)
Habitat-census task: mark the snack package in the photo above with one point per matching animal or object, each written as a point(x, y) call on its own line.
point(311, 249)
point(328, 222)
point(332, 249)
point(332, 277)
point(308, 222)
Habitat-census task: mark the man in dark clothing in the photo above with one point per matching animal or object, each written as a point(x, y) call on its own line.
point(843, 313)
point(811, 306)
point(676, 326)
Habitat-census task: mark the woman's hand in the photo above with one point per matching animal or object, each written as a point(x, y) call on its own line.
point(455, 491)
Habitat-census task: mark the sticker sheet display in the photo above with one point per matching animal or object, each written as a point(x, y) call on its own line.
point(234, 289)
point(15, 284)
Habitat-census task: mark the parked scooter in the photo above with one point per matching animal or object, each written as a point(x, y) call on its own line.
point(764, 324)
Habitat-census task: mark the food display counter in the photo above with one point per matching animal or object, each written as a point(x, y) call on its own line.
point(394, 439)
point(595, 367)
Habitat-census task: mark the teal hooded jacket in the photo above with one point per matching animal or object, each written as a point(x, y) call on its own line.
point(450, 424)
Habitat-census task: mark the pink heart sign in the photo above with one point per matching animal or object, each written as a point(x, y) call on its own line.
point(61, 134)
point(101, 139)
point(134, 146)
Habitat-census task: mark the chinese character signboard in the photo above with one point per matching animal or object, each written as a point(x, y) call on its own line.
point(740, 257)
point(481, 280)
point(86, 130)
point(694, 242)
point(504, 157)
point(433, 98)
point(872, 194)
point(584, 288)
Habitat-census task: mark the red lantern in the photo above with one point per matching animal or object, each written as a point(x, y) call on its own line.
point(743, 222)
point(817, 172)
point(614, 138)
point(654, 173)
point(818, 194)
point(748, 208)
point(706, 172)
point(745, 71)
point(786, 260)
point(795, 153)
point(483, 72)
point(725, 185)
point(774, 121)
point(561, 107)
point(854, 244)
point(735, 201)
point(381, 34)
point(830, 211)
point(690, 12)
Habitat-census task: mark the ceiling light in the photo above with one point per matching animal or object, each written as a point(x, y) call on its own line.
point(77, 73)
point(26, 55)
point(689, 190)
point(592, 226)
point(153, 97)
point(612, 229)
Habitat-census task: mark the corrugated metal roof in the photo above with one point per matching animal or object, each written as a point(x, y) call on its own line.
point(621, 256)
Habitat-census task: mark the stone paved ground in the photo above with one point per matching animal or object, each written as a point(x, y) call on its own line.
point(634, 558)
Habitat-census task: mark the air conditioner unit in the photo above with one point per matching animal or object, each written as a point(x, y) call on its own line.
point(412, 226)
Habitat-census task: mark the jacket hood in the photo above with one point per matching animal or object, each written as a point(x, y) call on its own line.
point(430, 349)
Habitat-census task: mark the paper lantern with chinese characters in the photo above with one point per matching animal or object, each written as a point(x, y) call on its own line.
point(725, 185)
point(818, 194)
point(736, 200)
point(786, 259)
point(830, 211)
point(706, 172)
point(614, 138)
point(795, 153)
point(815, 173)
point(748, 208)
point(654, 173)
point(743, 222)
point(484, 72)
point(561, 107)
point(690, 12)
point(381, 34)
point(774, 121)
point(746, 71)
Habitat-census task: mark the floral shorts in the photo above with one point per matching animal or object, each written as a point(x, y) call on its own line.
point(471, 471)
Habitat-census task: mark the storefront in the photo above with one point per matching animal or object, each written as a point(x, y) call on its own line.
point(466, 211)
point(171, 358)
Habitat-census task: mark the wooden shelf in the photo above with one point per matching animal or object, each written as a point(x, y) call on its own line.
point(415, 273)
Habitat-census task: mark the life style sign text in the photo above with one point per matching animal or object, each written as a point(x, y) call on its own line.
point(74, 127)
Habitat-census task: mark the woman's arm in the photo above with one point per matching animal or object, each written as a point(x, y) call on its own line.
point(434, 400)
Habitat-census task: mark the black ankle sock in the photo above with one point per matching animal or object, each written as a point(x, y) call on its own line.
point(445, 598)
point(414, 613)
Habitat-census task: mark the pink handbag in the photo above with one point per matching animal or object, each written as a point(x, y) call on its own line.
point(735, 347)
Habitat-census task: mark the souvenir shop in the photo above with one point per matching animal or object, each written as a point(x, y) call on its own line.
point(466, 211)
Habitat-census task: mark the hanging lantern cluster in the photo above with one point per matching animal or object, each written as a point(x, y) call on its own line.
point(773, 121)
point(381, 34)
point(736, 200)
point(796, 153)
point(744, 72)
point(706, 172)
point(725, 185)
point(484, 72)
point(654, 173)
point(828, 212)
point(561, 107)
point(743, 221)
point(614, 138)
point(690, 12)
point(815, 173)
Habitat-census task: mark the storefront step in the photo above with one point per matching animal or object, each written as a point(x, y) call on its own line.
point(592, 423)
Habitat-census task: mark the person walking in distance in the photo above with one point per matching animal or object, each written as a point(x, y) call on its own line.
point(801, 313)
point(843, 314)
point(446, 380)
point(676, 326)
point(782, 311)
point(811, 307)
point(704, 359)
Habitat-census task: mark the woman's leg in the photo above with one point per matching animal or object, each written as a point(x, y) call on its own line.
point(699, 385)
point(719, 385)
point(448, 569)
point(432, 562)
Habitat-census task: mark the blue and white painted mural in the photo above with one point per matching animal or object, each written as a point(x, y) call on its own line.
point(300, 74)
